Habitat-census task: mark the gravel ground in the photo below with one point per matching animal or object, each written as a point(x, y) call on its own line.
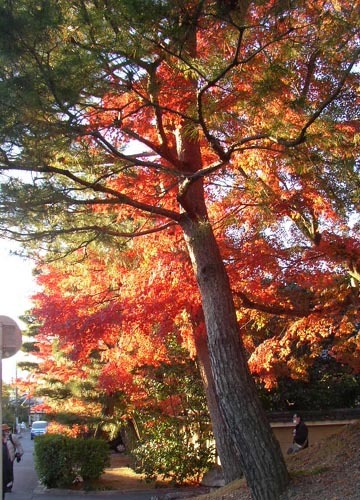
point(328, 470)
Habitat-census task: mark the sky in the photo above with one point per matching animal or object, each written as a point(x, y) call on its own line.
point(17, 286)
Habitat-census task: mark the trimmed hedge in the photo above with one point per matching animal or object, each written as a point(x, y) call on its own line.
point(93, 457)
point(60, 459)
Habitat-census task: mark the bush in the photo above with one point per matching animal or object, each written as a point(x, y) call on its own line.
point(92, 457)
point(54, 460)
point(60, 459)
point(330, 386)
point(169, 452)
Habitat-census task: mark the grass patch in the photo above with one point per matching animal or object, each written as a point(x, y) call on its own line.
point(309, 472)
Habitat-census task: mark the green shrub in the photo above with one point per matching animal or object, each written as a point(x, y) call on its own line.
point(331, 385)
point(174, 424)
point(169, 452)
point(54, 460)
point(60, 459)
point(92, 458)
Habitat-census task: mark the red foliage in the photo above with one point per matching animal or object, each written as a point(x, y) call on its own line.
point(252, 100)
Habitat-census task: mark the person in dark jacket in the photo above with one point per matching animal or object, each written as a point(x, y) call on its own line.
point(300, 435)
point(15, 451)
point(6, 465)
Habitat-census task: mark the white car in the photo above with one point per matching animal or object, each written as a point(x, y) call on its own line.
point(38, 428)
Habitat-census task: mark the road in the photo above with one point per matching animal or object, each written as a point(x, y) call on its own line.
point(27, 487)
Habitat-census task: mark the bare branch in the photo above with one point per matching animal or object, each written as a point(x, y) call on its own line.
point(332, 97)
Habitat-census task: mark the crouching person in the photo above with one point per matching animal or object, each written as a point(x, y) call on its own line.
point(300, 435)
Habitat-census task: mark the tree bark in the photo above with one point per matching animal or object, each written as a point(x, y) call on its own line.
point(240, 408)
point(237, 411)
point(230, 461)
point(243, 435)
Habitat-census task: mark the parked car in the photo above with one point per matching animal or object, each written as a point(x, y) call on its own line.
point(38, 428)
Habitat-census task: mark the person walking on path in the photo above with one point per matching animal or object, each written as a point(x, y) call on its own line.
point(15, 451)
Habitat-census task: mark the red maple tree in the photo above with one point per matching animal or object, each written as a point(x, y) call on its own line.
point(243, 118)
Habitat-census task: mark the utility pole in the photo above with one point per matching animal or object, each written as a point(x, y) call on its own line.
point(16, 402)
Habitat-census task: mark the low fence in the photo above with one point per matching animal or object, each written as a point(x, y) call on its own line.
point(321, 424)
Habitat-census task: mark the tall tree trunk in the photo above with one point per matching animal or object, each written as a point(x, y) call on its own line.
point(229, 458)
point(240, 408)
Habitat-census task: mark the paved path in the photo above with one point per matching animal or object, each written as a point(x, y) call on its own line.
point(25, 476)
point(27, 487)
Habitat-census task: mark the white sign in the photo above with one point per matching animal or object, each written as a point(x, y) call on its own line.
point(10, 337)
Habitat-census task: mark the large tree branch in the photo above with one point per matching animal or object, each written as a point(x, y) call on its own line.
point(103, 230)
point(309, 73)
point(133, 159)
point(115, 196)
